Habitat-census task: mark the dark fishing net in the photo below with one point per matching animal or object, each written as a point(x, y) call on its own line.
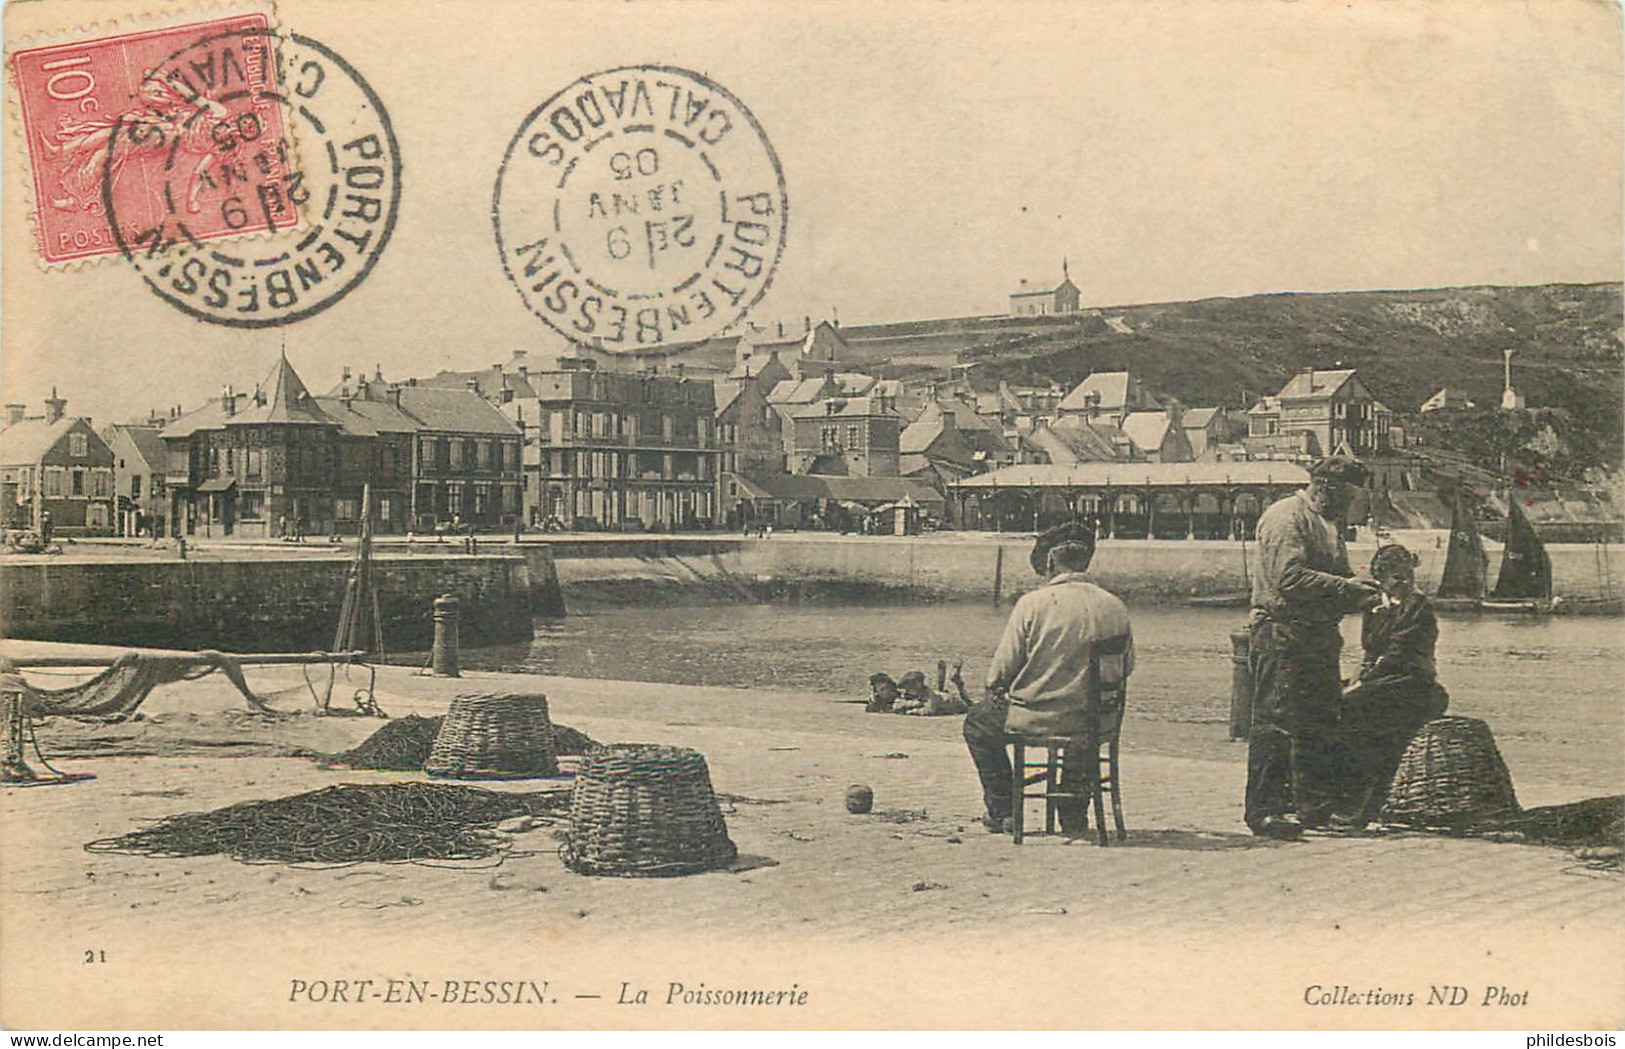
point(567, 740)
point(404, 744)
point(348, 823)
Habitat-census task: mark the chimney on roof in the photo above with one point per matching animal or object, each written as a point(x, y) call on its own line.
point(377, 373)
point(395, 395)
point(259, 395)
point(228, 400)
point(806, 324)
point(55, 407)
point(14, 413)
point(473, 384)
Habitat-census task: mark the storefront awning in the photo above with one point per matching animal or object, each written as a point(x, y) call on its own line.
point(218, 484)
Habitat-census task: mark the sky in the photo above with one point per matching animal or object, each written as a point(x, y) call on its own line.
point(934, 156)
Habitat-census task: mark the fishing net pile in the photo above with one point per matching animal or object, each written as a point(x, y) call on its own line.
point(116, 692)
point(348, 823)
point(403, 745)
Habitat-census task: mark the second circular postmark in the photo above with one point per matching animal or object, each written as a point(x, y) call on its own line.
point(274, 138)
point(639, 207)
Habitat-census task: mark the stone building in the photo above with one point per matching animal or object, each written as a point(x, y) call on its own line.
point(280, 461)
point(1062, 298)
point(55, 464)
point(1319, 412)
point(847, 436)
point(139, 465)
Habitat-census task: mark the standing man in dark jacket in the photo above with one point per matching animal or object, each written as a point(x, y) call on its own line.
point(1301, 591)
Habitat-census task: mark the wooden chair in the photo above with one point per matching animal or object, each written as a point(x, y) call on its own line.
point(1095, 750)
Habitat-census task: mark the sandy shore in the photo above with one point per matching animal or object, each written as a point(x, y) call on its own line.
point(918, 917)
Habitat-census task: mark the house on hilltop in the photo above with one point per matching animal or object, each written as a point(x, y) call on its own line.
point(1062, 298)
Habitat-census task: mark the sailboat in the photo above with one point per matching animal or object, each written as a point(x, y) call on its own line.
point(1461, 585)
point(1524, 584)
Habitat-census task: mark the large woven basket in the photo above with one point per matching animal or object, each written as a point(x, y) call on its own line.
point(495, 735)
point(641, 810)
point(1451, 776)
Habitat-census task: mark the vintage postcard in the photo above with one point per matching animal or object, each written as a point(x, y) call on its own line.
point(542, 515)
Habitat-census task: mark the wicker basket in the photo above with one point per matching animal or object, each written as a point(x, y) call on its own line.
point(495, 735)
point(1451, 776)
point(644, 811)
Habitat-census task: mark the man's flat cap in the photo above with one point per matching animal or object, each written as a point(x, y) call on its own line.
point(1340, 468)
point(1071, 533)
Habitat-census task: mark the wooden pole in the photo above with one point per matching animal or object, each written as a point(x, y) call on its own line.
point(247, 660)
point(998, 573)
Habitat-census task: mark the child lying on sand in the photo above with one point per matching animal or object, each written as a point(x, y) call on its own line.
point(912, 695)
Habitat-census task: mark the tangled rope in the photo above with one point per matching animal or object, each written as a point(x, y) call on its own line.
point(348, 823)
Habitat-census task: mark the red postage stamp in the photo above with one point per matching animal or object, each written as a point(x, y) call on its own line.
point(204, 151)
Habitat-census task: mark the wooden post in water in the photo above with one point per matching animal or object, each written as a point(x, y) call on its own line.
point(998, 573)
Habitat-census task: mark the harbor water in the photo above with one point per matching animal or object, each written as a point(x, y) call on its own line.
point(1549, 687)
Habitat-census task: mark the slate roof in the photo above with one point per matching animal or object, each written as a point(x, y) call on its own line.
point(26, 442)
point(1146, 429)
point(1087, 441)
point(844, 408)
point(726, 393)
point(288, 402)
point(1113, 388)
point(1316, 383)
point(460, 411)
point(148, 442)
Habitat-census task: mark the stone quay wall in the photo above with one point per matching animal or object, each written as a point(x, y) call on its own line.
point(258, 605)
point(958, 566)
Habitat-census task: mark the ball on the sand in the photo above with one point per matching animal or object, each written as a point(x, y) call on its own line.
point(859, 799)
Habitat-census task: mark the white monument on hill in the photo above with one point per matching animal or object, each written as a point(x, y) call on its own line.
point(1511, 400)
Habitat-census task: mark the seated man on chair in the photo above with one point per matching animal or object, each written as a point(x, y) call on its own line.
point(1037, 682)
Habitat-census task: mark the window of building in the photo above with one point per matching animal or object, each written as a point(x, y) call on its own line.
point(851, 436)
point(385, 505)
point(831, 438)
point(482, 452)
point(256, 463)
point(481, 497)
point(343, 509)
point(135, 486)
point(78, 483)
point(456, 460)
point(101, 484)
point(251, 506)
point(426, 449)
point(471, 453)
point(78, 445)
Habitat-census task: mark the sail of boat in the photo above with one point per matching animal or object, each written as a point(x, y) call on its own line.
point(1465, 564)
point(1526, 570)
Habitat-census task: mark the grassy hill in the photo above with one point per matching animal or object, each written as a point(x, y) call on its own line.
point(1406, 344)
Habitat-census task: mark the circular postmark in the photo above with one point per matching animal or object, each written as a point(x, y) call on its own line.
point(639, 207)
point(272, 183)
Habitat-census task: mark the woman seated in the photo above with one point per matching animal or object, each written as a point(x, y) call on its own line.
point(1397, 691)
